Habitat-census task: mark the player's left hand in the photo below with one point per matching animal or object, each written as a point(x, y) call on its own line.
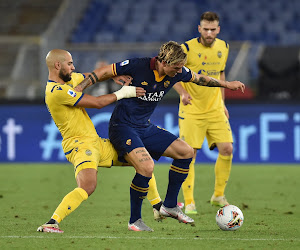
point(186, 98)
point(235, 85)
point(122, 80)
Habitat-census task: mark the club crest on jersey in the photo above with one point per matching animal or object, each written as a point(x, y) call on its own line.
point(166, 84)
point(124, 63)
point(144, 83)
point(219, 54)
point(72, 93)
point(128, 142)
point(88, 152)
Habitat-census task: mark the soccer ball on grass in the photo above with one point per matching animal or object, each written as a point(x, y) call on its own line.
point(229, 218)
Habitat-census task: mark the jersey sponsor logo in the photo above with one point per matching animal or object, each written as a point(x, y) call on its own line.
point(72, 93)
point(124, 63)
point(144, 83)
point(166, 84)
point(212, 63)
point(219, 53)
point(213, 73)
point(128, 142)
point(153, 97)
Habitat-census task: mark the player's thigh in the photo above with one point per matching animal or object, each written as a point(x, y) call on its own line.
point(84, 155)
point(124, 139)
point(192, 131)
point(219, 131)
point(108, 154)
point(141, 160)
point(157, 140)
point(179, 149)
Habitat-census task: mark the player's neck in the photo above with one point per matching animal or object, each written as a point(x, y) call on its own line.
point(55, 78)
point(159, 68)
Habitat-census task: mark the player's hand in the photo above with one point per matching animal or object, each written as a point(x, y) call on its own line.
point(140, 91)
point(186, 98)
point(226, 112)
point(122, 80)
point(235, 85)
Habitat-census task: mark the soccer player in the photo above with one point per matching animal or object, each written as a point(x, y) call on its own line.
point(138, 141)
point(81, 143)
point(202, 112)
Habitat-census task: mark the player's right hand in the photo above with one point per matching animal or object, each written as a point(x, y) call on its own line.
point(235, 85)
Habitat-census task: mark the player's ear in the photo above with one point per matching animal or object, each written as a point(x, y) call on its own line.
point(199, 28)
point(57, 65)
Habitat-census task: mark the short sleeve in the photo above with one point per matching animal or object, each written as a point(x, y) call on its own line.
point(66, 95)
point(126, 67)
point(187, 75)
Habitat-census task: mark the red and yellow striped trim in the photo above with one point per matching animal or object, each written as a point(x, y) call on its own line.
point(114, 69)
point(179, 170)
point(139, 189)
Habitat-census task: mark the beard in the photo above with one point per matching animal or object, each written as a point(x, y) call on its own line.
point(64, 76)
point(208, 41)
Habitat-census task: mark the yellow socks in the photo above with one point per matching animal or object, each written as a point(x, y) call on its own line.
point(69, 203)
point(188, 185)
point(153, 195)
point(222, 172)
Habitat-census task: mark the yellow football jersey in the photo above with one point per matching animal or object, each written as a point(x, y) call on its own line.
point(207, 102)
point(73, 122)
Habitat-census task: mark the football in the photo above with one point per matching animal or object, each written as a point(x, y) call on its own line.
point(229, 218)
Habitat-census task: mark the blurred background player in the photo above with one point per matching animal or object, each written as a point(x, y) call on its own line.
point(202, 112)
point(81, 143)
point(138, 141)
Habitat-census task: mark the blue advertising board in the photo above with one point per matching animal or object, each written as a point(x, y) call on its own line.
point(262, 133)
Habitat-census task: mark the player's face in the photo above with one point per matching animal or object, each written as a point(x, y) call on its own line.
point(172, 70)
point(208, 31)
point(67, 67)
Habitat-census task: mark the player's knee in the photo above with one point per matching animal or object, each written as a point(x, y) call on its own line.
point(183, 151)
point(145, 169)
point(90, 187)
point(188, 152)
point(226, 150)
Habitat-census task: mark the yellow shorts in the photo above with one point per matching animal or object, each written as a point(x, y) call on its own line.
point(215, 130)
point(91, 154)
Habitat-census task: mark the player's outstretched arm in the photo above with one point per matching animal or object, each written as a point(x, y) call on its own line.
point(207, 81)
point(88, 101)
point(101, 74)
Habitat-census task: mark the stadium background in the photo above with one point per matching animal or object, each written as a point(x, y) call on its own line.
point(264, 40)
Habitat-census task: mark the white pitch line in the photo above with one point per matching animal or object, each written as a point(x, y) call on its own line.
point(139, 238)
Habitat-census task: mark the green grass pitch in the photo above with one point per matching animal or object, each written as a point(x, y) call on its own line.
point(29, 193)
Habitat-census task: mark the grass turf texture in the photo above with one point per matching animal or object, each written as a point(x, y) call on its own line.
point(29, 193)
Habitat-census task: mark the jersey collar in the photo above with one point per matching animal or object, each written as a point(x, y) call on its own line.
point(152, 67)
point(152, 63)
